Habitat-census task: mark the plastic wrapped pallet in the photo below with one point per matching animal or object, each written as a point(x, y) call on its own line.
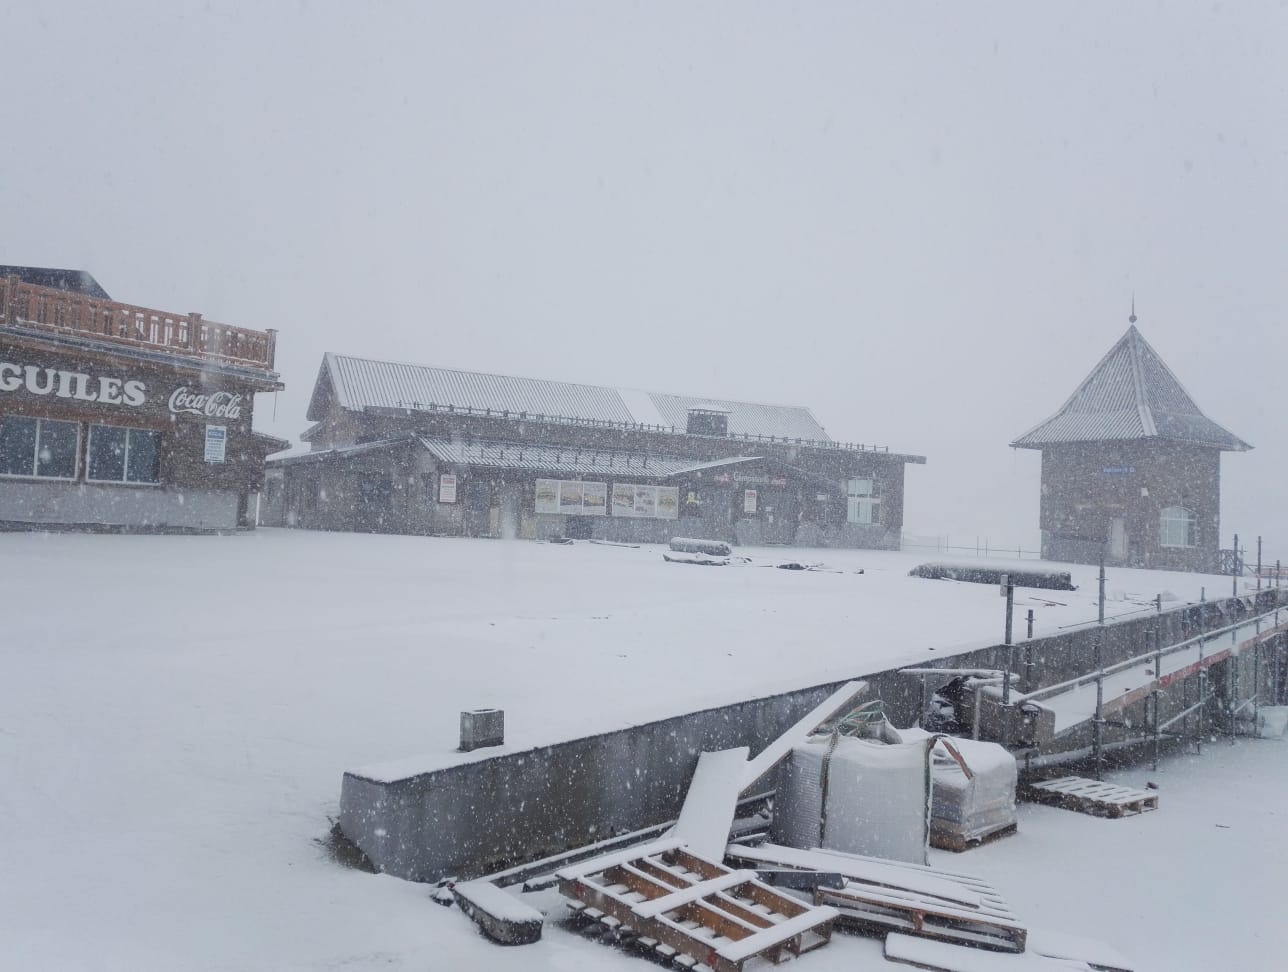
point(972, 807)
point(860, 796)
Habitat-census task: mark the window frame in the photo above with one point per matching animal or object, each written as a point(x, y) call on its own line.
point(125, 467)
point(35, 454)
point(862, 508)
point(1168, 524)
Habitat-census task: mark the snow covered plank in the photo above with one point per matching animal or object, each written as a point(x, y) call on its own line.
point(1092, 796)
point(835, 704)
point(1095, 953)
point(709, 807)
point(942, 957)
point(881, 910)
point(868, 870)
point(499, 915)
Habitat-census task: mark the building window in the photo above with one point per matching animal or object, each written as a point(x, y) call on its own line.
point(1179, 527)
point(38, 447)
point(121, 455)
point(862, 505)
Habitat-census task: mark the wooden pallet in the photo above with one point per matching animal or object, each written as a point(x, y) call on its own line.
point(882, 896)
point(947, 840)
point(694, 910)
point(1092, 796)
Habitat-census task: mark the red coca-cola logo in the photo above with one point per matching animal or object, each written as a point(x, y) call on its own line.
point(220, 404)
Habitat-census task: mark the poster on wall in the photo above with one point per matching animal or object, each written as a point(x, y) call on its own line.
point(594, 499)
point(749, 501)
point(216, 443)
point(646, 501)
point(654, 502)
point(571, 497)
point(623, 499)
point(668, 502)
point(447, 488)
point(547, 496)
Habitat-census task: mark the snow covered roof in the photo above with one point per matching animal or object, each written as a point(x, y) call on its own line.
point(361, 383)
point(1130, 394)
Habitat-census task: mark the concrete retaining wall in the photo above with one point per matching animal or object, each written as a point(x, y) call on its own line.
point(478, 817)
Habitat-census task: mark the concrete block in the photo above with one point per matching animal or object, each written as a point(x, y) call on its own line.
point(482, 727)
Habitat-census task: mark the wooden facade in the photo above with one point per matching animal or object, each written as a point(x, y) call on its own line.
point(115, 417)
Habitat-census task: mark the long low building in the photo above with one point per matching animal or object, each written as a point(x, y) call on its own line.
point(120, 417)
point(417, 449)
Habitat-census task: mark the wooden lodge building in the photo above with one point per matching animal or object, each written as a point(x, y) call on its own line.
point(119, 417)
point(1131, 468)
point(414, 449)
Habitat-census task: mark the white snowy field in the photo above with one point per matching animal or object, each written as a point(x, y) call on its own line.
point(176, 714)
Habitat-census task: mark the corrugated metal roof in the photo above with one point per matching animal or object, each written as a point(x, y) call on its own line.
point(565, 461)
point(361, 383)
point(1130, 394)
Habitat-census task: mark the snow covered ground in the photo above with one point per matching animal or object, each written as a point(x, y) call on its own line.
point(176, 714)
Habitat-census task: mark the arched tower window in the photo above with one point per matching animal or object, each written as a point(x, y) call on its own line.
point(1178, 527)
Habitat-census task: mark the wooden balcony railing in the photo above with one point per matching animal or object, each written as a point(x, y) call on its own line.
point(48, 308)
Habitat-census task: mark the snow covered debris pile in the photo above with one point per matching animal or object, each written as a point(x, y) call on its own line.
point(712, 548)
point(1053, 580)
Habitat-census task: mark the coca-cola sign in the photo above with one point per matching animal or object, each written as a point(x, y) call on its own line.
point(220, 404)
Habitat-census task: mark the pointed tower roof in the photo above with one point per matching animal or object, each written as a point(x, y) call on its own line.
point(1131, 394)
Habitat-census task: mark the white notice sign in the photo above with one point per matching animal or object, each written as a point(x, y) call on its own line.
point(447, 488)
point(216, 443)
point(749, 501)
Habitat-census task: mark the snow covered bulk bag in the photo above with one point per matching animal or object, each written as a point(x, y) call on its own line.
point(855, 795)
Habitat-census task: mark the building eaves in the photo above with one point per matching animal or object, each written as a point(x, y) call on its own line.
point(565, 460)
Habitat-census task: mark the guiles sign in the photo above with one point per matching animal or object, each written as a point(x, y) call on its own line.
point(81, 387)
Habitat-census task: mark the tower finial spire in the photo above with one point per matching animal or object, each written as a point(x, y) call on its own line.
point(1132, 319)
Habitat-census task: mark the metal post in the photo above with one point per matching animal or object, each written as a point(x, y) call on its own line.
point(1258, 563)
point(1158, 603)
point(1202, 700)
point(1098, 745)
point(1158, 675)
point(1234, 566)
point(1030, 619)
point(1256, 676)
point(1010, 666)
point(1102, 585)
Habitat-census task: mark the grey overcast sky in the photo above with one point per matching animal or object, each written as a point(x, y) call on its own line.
point(926, 221)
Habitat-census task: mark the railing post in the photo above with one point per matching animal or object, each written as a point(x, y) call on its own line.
point(1158, 696)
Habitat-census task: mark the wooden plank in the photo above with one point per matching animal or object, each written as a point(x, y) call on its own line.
point(946, 840)
point(943, 957)
point(835, 704)
point(500, 915)
point(712, 800)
